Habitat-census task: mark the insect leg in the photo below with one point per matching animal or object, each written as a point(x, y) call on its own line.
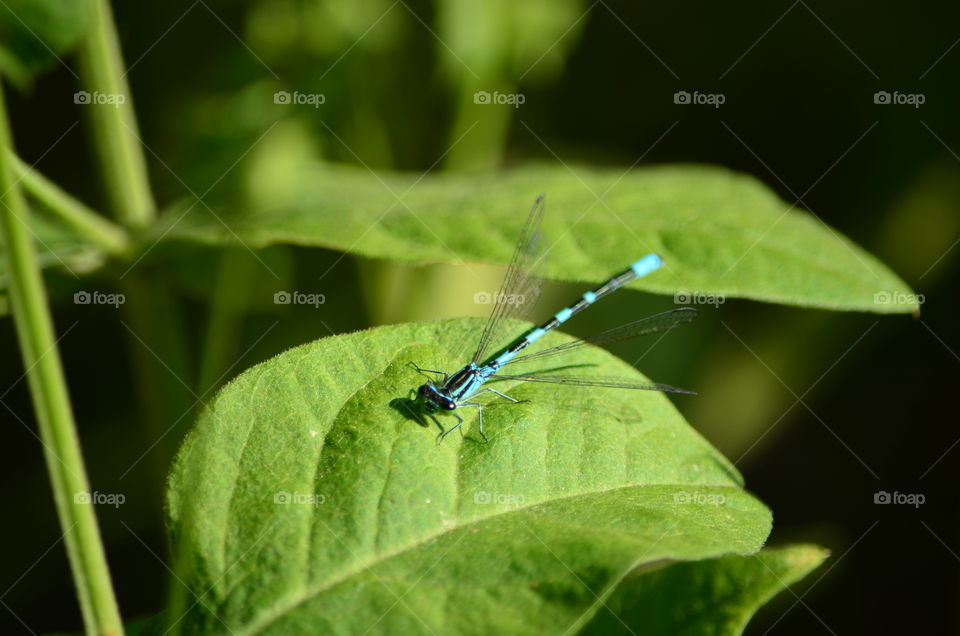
point(503, 395)
point(479, 417)
point(419, 370)
point(443, 434)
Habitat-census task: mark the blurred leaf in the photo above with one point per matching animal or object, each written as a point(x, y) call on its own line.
point(150, 626)
point(58, 246)
point(926, 211)
point(327, 27)
point(305, 501)
point(487, 48)
point(505, 39)
point(193, 271)
point(711, 597)
point(335, 25)
point(720, 232)
point(35, 33)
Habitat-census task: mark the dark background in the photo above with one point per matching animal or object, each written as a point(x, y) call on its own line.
point(876, 410)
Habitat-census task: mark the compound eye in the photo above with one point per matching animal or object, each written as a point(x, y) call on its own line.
point(449, 405)
point(424, 390)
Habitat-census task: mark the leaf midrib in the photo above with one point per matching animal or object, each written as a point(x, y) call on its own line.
point(269, 616)
point(704, 229)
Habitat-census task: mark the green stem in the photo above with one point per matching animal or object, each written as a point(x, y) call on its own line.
point(480, 130)
point(48, 388)
point(115, 133)
point(152, 310)
point(101, 231)
point(231, 296)
point(154, 315)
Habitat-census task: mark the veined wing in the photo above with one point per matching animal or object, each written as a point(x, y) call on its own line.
point(599, 381)
point(519, 290)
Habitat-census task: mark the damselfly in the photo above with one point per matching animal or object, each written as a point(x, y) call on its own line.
point(518, 290)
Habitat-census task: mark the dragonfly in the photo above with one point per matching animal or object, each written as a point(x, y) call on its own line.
point(517, 292)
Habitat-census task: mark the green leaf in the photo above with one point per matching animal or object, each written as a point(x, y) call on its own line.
point(712, 597)
point(58, 246)
point(721, 232)
point(149, 626)
point(146, 626)
point(306, 500)
point(34, 34)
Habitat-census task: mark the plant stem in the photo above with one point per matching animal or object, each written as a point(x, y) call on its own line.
point(115, 133)
point(152, 310)
point(107, 235)
point(483, 129)
point(48, 389)
point(156, 321)
point(232, 295)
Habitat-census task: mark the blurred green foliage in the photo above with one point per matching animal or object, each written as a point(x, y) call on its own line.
point(399, 80)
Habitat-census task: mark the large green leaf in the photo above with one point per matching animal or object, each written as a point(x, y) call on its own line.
point(721, 232)
point(531, 531)
point(713, 597)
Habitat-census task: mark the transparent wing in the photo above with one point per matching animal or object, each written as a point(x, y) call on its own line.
point(658, 323)
point(519, 290)
point(601, 381)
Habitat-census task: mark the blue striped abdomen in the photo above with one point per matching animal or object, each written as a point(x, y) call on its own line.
point(646, 265)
